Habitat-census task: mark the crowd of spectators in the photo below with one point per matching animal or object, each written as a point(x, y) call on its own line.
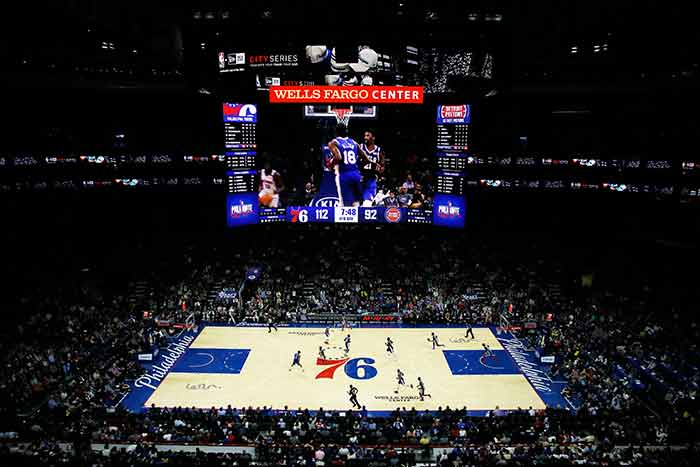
point(631, 369)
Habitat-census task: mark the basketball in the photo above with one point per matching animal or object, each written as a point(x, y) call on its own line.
point(265, 197)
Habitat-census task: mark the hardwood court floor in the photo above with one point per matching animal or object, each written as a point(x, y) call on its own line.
point(241, 366)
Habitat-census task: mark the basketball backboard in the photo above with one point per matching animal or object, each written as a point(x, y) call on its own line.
point(326, 110)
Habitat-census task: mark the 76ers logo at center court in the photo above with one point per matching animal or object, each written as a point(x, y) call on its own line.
point(356, 368)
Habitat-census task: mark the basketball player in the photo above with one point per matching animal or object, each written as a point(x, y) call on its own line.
point(344, 326)
point(470, 331)
point(389, 345)
point(434, 340)
point(345, 157)
point(421, 390)
point(327, 190)
point(321, 353)
point(370, 172)
point(347, 343)
point(297, 361)
point(353, 397)
point(399, 377)
point(327, 333)
point(270, 187)
point(488, 353)
point(271, 324)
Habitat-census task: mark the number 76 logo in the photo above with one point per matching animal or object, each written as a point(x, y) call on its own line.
point(356, 368)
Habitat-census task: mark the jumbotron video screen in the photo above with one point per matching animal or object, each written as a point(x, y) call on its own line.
point(345, 151)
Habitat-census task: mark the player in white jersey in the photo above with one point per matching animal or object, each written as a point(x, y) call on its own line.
point(270, 187)
point(370, 172)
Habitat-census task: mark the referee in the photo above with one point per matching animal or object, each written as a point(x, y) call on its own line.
point(470, 331)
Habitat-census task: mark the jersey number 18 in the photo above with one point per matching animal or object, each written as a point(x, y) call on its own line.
point(349, 156)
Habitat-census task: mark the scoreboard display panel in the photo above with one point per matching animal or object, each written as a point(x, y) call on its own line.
point(294, 164)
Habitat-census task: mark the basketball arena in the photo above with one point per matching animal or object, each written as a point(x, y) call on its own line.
point(357, 234)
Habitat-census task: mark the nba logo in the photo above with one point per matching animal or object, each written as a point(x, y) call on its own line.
point(222, 60)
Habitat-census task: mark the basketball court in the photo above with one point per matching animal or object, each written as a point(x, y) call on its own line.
point(247, 366)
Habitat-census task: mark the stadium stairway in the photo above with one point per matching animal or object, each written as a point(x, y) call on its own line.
point(217, 286)
point(386, 288)
point(139, 293)
point(307, 288)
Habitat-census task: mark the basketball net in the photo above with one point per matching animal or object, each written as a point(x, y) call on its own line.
point(342, 116)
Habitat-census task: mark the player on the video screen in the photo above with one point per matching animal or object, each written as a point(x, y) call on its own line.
point(346, 153)
point(370, 172)
point(327, 190)
point(270, 186)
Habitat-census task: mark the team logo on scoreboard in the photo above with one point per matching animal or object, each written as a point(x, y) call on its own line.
point(449, 211)
point(453, 114)
point(241, 209)
point(244, 113)
point(392, 214)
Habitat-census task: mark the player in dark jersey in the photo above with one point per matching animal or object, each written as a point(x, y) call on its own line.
point(421, 390)
point(347, 343)
point(434, 339)
point(296, 361)
point(271, 324)
point(400, 381)
point(327, 194)
point(488, 353)
point(346, 156)
point(353, 397)
point(370, 172)
point(389, 345)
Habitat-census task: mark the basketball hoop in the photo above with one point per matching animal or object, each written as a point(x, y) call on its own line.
point(342, 116)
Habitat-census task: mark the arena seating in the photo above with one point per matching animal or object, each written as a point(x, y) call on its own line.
point(632, 373)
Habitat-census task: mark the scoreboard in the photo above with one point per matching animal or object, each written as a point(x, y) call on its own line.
point(241, 181)
point(240, 159)
point(240, 121)
point(451, 160)
point(451, 152)
point(446, 206)
point(449, 182)
point(453, 137)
